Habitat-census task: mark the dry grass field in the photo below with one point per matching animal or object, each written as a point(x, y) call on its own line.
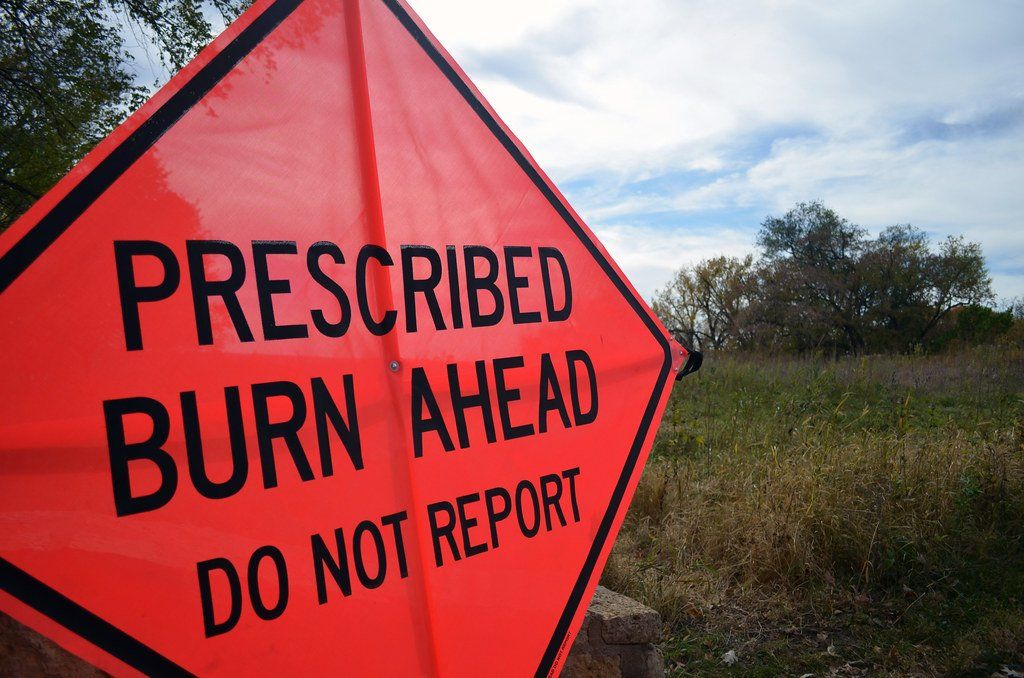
point(855, 517)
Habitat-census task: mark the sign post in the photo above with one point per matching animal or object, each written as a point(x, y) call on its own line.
point(308, 364)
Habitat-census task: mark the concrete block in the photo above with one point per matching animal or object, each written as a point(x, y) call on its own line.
point(617, 640)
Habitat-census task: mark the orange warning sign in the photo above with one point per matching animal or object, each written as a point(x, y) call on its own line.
point(308, 364)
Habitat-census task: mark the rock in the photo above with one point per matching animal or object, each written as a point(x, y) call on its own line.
point(583, 665)
point(623, 620)
point(730, 658)
point(23, 652)
point(616, 640)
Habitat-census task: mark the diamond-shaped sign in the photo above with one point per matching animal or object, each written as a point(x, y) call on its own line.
point(309, 365)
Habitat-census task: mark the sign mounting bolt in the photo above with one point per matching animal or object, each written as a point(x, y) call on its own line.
point(393, 365)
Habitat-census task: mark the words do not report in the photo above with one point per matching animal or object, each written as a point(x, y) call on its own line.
point(374, 550)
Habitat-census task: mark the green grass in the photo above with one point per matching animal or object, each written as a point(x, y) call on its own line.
point(862, 515)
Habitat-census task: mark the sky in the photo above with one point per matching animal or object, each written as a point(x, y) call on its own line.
point(674, 127)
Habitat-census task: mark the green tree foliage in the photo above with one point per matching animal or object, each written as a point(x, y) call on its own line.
point(822, 284)
point(812, 286)
point(66, 81)
point(976, 325)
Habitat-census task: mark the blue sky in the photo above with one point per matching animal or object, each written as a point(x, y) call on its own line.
point(675, 126)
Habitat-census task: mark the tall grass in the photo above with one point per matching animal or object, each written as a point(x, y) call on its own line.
point(786, 487)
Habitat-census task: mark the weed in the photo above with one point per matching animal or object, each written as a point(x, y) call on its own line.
point(878, 502)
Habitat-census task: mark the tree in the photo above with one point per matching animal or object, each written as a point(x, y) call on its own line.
point(980, 324)
point(1015, 335)
point(814, 259)
point(956, 277)
point(707, 303)
point(677, 308)
point(823, 285)
point(896, 265)
point(65, 80)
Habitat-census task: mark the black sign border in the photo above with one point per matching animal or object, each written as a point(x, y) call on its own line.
point(45, 232)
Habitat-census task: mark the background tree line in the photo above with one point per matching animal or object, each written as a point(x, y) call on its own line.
point(821, 284)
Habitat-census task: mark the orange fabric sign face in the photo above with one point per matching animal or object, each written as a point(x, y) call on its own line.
point(308, 365)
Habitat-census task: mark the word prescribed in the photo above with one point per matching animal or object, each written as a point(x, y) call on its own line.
point(492, 286)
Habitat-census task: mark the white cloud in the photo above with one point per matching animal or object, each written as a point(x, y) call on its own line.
point(648, 256)
point(655, 75)
point(890, 112)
